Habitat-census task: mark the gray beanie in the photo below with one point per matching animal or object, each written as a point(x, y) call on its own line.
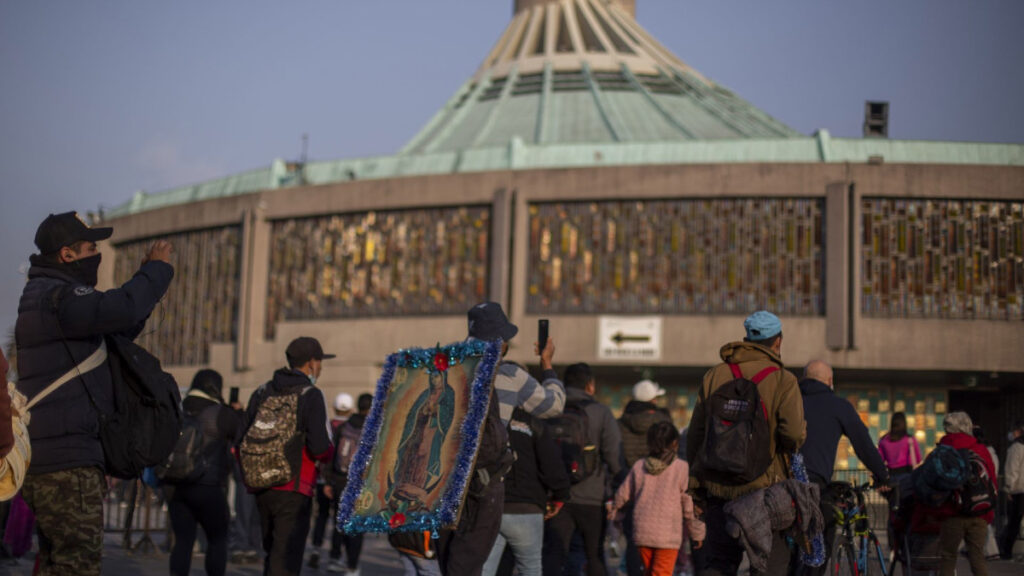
point(957, 422)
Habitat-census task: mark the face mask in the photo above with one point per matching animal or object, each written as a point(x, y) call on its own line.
point(1010, 436)
point(312, 379)
point(85, 270)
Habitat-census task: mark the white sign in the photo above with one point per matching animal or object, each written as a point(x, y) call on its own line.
point(629, 338)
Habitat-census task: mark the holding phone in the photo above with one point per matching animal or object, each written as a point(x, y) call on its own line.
point(233, 395)
point(542, 335)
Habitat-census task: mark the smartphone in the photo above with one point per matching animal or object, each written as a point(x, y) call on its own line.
point(542, 334)
point(233, 395)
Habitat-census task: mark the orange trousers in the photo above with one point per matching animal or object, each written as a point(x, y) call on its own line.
point(658, 561)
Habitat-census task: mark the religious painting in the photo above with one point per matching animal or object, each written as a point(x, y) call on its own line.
point(412, 467)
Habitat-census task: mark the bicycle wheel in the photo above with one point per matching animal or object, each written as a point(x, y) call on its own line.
point(842, 562)
point(876, 561)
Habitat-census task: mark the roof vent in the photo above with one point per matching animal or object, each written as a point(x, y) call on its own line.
point(876, 119)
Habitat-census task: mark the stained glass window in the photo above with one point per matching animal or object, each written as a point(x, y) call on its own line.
point(942, 259)
point(701, 256)
point(408, 262)
point(201, 305)
point(925, 410)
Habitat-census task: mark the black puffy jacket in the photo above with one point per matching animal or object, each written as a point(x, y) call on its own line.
point(55, 306)
point(637, 417)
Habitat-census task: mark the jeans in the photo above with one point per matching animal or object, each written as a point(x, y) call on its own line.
point(525, 536)
point(416, 566)
point(324, 518)
point(207, 506)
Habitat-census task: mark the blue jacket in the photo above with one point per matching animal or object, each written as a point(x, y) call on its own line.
point(829, 417)
point(65, 425)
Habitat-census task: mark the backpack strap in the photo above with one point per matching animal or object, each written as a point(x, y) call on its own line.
point(763, 374)
point(94, 360)
point(735, 370)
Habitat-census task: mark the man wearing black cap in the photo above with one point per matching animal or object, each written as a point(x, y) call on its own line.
point(464, 551)
point(62, 319)
point(286, 508)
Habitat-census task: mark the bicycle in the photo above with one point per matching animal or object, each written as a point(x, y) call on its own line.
point(856, 549)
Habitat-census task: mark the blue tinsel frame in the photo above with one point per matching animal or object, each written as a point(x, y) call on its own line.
point(450, 503)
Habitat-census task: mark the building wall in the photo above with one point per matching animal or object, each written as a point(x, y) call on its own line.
point(843, 334)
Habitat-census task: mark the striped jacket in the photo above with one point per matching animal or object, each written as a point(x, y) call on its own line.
point(516, 387)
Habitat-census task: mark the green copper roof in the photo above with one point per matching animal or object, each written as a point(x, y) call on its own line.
point(518, 155)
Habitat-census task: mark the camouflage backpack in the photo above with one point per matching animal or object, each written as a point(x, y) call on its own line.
point(271, 450)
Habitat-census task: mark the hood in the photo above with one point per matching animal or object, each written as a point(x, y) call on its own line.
point(739, 352)
point(958, 440)
point(655, 466)
point(811, 387)
point(577, 394)
point(638, 416)
point(286, 379)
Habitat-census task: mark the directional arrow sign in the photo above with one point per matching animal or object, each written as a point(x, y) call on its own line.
point(629, 338)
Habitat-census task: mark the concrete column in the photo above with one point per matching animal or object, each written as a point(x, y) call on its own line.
point(838, 241)
point(501, 247)
point(255, 274)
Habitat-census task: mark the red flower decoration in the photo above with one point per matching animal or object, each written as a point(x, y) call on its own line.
point(440, 362)
point(396, 520)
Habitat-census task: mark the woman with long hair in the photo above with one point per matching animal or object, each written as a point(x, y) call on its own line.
point(899, 449)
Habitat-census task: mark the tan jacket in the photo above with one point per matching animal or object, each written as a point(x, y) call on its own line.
point(781, 396)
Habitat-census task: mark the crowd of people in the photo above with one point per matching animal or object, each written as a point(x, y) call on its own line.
point(554, 477)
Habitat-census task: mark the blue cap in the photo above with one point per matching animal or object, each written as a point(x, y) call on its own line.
point(762, 325)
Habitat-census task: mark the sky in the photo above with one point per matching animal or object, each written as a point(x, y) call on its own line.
point(103, 98)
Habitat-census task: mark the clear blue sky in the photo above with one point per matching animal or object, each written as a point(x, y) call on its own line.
point(101, 98)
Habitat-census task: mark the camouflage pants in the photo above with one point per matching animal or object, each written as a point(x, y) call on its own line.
point(68, 506)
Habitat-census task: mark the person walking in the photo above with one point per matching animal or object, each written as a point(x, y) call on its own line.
point(1013, 472)
point(637, 418)
point(286, 422)
point(899, 450)
point(585, 513)
point(346, 442)
point(536, 487)
point(829, 418)
point(657, 488)
point(62, 320)
point(326, 503)
point(957, 527)
point(464, 550)
point(202, 499)
point(757, 359)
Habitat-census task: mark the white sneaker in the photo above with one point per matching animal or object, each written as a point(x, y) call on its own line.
point(335, 566)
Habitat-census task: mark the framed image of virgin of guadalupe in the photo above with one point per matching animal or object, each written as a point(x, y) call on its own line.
point(420, 440)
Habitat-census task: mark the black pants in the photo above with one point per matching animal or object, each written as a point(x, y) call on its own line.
point(590, 521)
point(1014, 513)
point(463, 551)
point(207, 506)
point(723, 554)
point(634, 563)
point(284, 519)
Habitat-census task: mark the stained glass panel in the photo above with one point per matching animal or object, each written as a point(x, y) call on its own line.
point(942, 259)
point(701, 256)
point(201, 305)
point(408, 262)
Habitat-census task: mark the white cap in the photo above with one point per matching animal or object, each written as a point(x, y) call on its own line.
point(344, 402)
point(645, 391)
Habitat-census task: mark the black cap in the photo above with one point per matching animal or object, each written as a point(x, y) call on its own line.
point(303, 349)
point(487, 321)
point(60, 230)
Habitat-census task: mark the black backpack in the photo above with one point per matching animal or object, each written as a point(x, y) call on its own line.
point(737, 446)
point(188, 461)
point(494, 457)
point(977, 495)
point(571, 431)
point(146, 423)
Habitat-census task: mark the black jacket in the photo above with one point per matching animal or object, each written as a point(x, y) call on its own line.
point(221, 428)
point(311, 421)
point(603, 433)
point(637, 417)
point(65, 425)
point(828, 418)
point(538, 469)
